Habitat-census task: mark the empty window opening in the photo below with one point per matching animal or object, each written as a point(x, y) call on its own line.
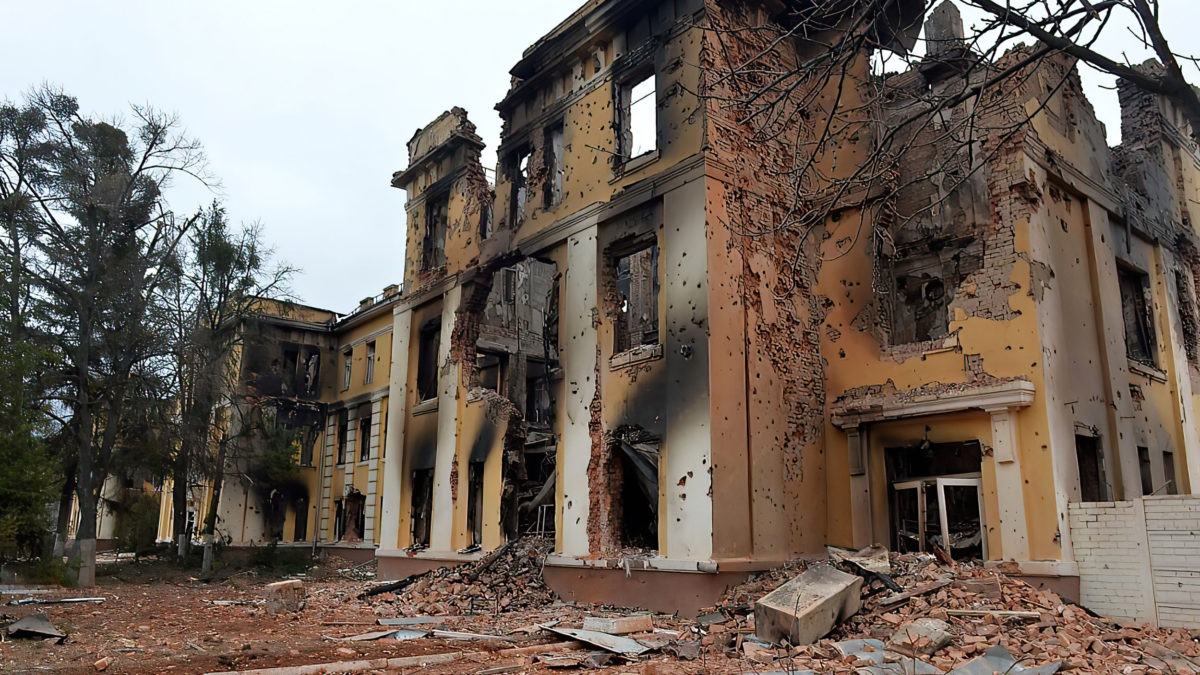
point(433, 246)
point(306, 452)
point(354, 515)
point(427, 360)
point(475, 502)
point(925, 274)
point(639, 493)
point(490, 372)
point(300, 532)
point(555, 166)
point(536, 498)
point(518, 176)
point(639, 117)
point(637, 286)
point(936, 498)
point(343, 437)
point(364, 438)
point(347, 369)
point(1092, 487)
point(1137, 314)
point(1144, 469)
point(339, 519)
point(1169, 487)
point(422, 507)
point(369, 375)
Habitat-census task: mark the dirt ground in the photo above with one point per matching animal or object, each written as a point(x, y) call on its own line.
point(157, 618)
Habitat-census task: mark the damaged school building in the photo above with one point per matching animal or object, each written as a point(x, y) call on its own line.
point(616, 345)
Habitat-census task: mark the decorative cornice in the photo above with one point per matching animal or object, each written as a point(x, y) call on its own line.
point(894, 406)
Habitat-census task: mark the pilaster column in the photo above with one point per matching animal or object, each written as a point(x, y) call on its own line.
point(1010, 494)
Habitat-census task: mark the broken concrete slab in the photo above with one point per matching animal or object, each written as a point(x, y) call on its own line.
point(922, 636)
point(619, 625)
point(882, 662)
point(285, 596)
point(873, 558)
point(613, 643)
point(36, 626)
point(806, 608)
point(998, 660)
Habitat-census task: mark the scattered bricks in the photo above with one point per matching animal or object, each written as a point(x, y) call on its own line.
point(102, 664)
point(619, 625)
point(806, 608)
point(922, 636)
point(285, 596)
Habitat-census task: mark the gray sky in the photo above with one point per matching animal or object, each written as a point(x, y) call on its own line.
point(305, 107)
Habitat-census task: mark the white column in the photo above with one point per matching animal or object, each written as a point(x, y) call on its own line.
point(327, 474)
point(393, 470)
point(1010, 493)
point(578, 351)
point(372, 473)
point(442, 524)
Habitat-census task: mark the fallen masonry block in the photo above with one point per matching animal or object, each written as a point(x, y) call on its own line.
point(806, 608)
point(285, 596)
point(921, 636)
point(619, 625)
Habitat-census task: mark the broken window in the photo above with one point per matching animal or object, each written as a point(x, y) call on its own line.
point(553, 191)
point(518, 176)
point(1091, 468)
point(1169, 473)
point(306, 452)
point(300, 532)
point(433, 246)
point(422, 507)
point(339, 519)
point(638, 455)
point(1189, 322)
point(639, 117)
point(364, 436)
point(1136, 308)
point(348, 366)
point(475, 502)
point(427, 360)
point(369, 376)
point(924, 314)
point(489, 371)
point(637, 286)
point(1144, 469)
point(343, 435)
point(936, 493)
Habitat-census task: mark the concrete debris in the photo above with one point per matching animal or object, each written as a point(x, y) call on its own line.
point(36, 626)
point(415, 620)
point(48, 601)
point(806, 608)
point(882, 662)
point(102, 664)
point(285, 596)
point(613, 643)
point(619, 625)
point(922, 636)
point(873, 558)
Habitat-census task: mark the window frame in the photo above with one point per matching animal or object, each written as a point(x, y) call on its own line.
point(369, 369)
point(364, 440)
point(625, 84)
point(347, 368)
point(622, 333)
point(428, 337)
point(433, 241)
point(555, 160)
point(1143, 309)
point(518, 181)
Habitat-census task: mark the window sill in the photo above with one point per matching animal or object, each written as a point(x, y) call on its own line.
point(633, 164)
point(1148, 371)
point(639, 354)
point(425, 407)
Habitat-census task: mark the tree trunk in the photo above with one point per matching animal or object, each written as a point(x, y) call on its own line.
point(65, 501)
point(210, 516)
point(179, 490)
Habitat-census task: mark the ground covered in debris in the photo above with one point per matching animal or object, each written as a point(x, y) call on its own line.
point(497, 616)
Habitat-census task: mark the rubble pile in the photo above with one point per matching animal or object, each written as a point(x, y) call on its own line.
point(948, 616)
point(510, 582)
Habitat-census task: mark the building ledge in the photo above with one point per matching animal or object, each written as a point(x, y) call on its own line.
point(893, 405)
point(427, 554)
point(1036, 568)
point(630, 563)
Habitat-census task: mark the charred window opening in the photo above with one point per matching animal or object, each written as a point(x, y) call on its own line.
point(1136, 312)
point(491, 372)
point(339, 519)
point(935, 491)
point(555, 166)
point(369, 375)
point(638, 122)
point(925, 276)
point(1092, 487)
point(637, 290)
point(1144, 469)
point(364, 436)
point(300, 531)
point(347, 368)
point(1189, 322)
point(485, 222)
point(343, 435)
point(475, 502)
point(427, 359)
point(637, 455)
point(538, 404)
point(422, 506)
point(437, 218)
point(518, 176)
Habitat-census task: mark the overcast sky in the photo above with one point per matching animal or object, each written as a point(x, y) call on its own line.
point(305, 107)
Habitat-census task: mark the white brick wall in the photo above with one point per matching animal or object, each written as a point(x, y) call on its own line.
point(1140, 559)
